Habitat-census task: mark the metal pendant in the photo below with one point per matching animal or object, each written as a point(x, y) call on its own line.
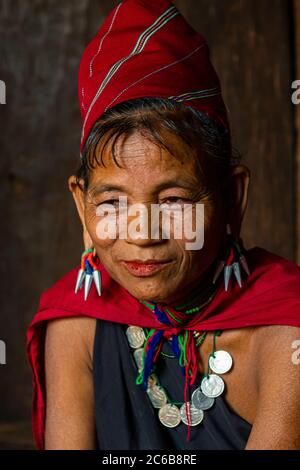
point(136, 336)
point(237, 273)
point(227, 275)
point(188, 410)
point(157, 396)
point(97, 280)
point(169, 415)
point(221, 362)
point(79, 280)
point(138, 357)
point(212, 386)
point(244, 264)
point(201, 401)
point(218, 270)
point(87, 284)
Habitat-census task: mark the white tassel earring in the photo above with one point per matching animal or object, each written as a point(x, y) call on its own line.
point(231, 258)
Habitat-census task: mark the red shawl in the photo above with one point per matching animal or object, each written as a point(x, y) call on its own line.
point(269, 296)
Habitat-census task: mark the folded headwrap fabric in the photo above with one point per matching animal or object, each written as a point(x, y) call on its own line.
point(146, 48)
point(269, 296)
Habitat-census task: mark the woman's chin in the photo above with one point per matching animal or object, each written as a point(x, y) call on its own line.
point(149, 290)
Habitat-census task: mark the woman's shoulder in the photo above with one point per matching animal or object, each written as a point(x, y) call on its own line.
point(262, 256)
point(66, 316)
point(67, 336)
point(64, 284)
point(273, 272)
point(69, 327)
point(61, 299)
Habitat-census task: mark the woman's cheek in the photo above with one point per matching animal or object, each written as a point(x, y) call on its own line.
point(100, 233)
point(191, 224)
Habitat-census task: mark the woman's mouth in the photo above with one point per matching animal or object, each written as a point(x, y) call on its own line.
point(145, 268)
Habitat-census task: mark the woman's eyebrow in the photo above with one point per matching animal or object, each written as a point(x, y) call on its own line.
point(104, 188)
point(190, 184)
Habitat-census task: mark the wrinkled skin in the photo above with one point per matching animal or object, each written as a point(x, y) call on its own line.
point(146, 167)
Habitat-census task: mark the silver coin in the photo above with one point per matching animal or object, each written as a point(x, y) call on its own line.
point(157, 396)
point(138, 357)
point(221, 362)
point(201, 401)
point(136, 336)
point(212, 386)
point(169, 415)
point(188, 410)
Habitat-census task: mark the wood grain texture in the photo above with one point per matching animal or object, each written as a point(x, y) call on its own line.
point(41, 43)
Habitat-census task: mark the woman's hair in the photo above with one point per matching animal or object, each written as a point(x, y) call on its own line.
point(152, 116)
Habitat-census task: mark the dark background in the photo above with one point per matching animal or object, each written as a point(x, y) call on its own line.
point(253, 47)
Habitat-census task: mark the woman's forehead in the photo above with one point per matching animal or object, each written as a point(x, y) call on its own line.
point(148, 167)
point(139, 152)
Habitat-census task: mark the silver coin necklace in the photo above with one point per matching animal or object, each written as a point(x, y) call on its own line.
point(191, 413)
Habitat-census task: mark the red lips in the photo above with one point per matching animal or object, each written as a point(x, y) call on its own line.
point(145, 268)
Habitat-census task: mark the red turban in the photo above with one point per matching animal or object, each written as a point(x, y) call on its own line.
point(145, 48)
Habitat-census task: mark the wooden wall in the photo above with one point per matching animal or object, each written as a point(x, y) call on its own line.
point(41, 43)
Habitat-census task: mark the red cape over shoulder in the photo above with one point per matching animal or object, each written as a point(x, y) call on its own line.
point(269, 296)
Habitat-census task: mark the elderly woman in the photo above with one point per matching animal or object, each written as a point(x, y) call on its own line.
point(158, 341)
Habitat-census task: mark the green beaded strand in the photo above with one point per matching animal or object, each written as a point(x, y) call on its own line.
point(212, 354)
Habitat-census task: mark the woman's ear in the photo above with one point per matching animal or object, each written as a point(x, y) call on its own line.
point(238, 191)
point(78, 196)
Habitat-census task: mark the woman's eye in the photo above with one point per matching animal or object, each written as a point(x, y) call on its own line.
point(112, 202)
point(175, 200)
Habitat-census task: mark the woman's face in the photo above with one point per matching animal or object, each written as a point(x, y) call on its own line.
point(152, 175)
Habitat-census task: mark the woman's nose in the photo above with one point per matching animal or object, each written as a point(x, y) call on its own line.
point(143, 225)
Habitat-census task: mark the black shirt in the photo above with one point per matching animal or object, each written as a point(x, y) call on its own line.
point(125, 416)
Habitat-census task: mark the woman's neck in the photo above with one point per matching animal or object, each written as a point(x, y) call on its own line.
point(196, 295)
